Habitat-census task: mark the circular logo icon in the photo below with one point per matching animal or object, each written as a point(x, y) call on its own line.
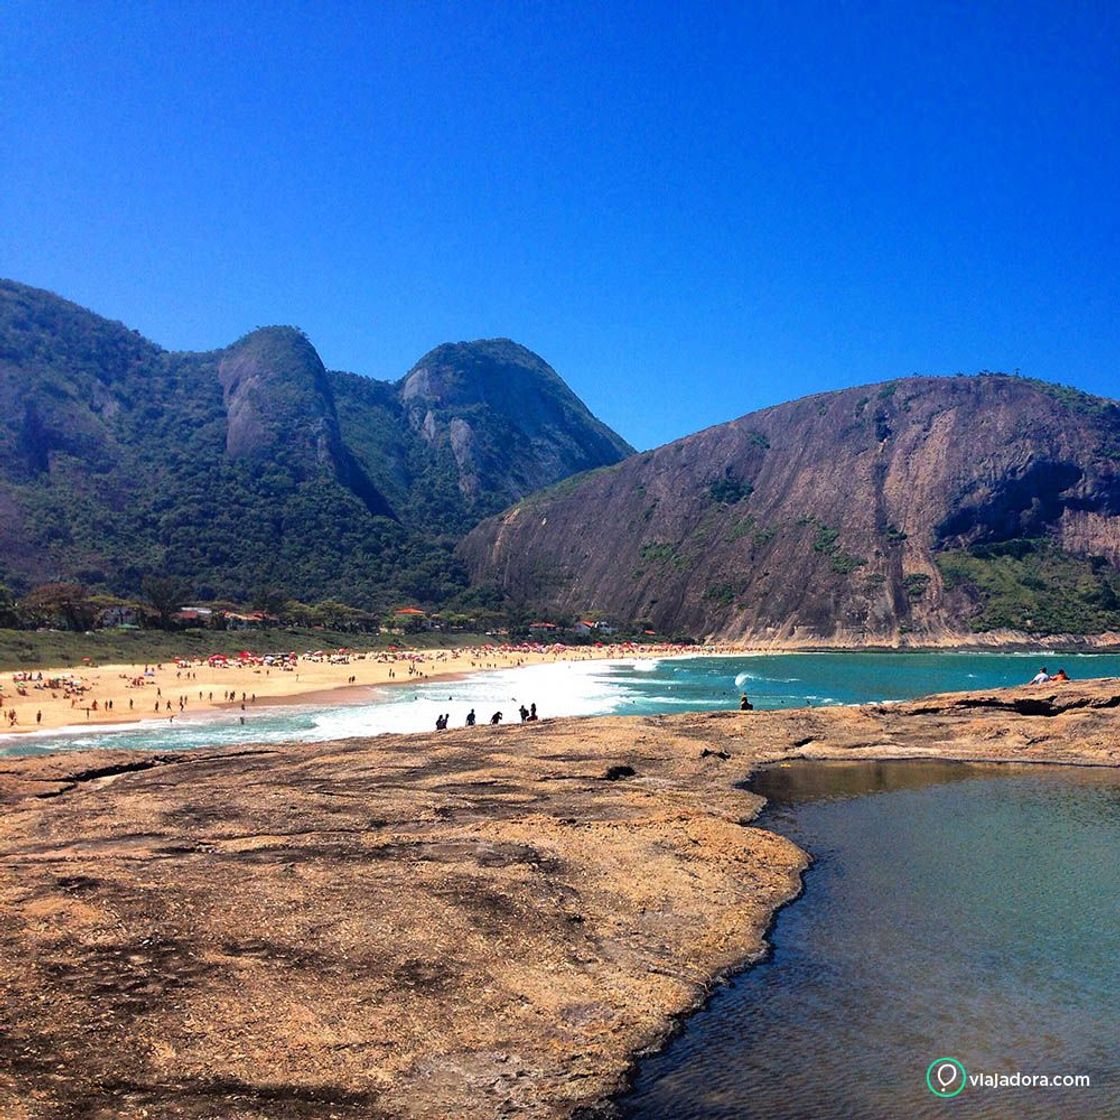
point(946, 1077)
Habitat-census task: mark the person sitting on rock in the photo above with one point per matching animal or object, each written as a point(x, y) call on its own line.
point(1060, 675)
point(1041, 677)
point(744, 704)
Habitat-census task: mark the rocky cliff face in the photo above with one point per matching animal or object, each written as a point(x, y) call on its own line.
point(278, 399)
point(280, 408)
point(505, 416)
point(921, 506)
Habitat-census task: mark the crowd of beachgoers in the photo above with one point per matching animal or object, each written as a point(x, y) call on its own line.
point(53, 698)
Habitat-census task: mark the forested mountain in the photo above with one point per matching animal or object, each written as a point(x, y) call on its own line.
point(472, 427)
point(926, 506)
point(254, 467)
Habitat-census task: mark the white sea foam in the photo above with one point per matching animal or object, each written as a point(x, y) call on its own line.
point(563, 688)
point(681, 702)
point(743, 677)
point(76, 731)
point(560, 689)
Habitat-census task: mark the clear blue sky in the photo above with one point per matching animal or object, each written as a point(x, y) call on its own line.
point(691, 210)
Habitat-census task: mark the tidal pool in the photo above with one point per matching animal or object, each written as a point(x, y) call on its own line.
point(952, 910)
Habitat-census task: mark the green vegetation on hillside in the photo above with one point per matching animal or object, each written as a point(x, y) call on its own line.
point(662, 553)
point(254, 467)
point(915, 585)
point(1077, 400)
point(826, 542)
point(1032, 585)
point(1106, 412)
point(723, 594)
point(564, 487)
point(749, 527)
point(728, 490)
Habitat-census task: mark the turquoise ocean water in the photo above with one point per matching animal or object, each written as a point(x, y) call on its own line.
point(633, 687)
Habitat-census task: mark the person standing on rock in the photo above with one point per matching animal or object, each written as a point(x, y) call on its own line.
point(470, 718)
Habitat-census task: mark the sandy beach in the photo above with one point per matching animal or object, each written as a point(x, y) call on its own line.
point(50, 699)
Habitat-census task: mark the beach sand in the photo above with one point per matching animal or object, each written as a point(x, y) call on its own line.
point(111, 695)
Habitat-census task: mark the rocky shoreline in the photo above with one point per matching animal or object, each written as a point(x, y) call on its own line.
point(488, 922)
point(943, 641)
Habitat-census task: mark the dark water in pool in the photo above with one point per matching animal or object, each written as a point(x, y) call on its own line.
point(952, 910)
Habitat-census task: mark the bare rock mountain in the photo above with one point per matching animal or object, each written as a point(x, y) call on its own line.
point(925, 506)
point(506, 416)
